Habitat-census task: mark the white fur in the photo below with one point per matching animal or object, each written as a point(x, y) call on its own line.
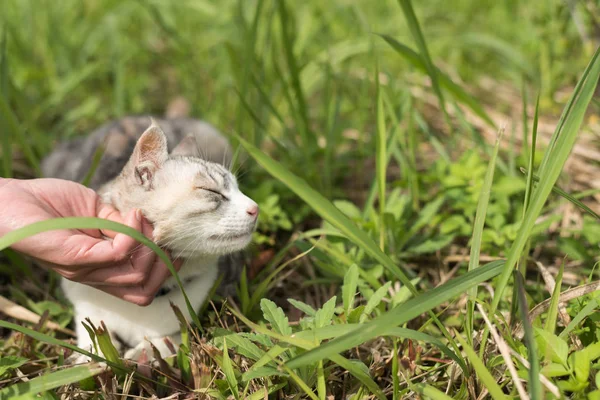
point(174, 193)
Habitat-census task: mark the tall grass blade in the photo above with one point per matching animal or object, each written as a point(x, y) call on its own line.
point(562, 143)
point(229, 372)
point(458, 92)
point(535, 387)
point(480, 214)
point(550, 324)
point(35, 386)
point(414, 307)
point(529, 187)
point(381, 161)
point(288, 46)
point(417, 34)
point(561, 192)
point(482, 372)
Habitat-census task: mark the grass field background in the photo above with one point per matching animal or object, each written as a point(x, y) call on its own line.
point(428, 175)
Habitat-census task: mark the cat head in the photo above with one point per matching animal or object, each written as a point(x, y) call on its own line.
point(195, 205)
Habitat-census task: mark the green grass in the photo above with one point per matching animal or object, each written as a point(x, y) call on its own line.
point(389, 216)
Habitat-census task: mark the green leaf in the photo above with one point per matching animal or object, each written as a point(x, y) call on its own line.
point(243, 346)
point(430, 392)
point(381, 325)
point(324, 316)
point(29, 389)
point(580, 362)
point(106, 345)
point(349, 288)
point(262, 372)
point(376, 299)
point(555, 370)
point(431, 245)
point(276, 317)
point(8, 363)
point(305, 308)
point(355, 315)
point(552, 346)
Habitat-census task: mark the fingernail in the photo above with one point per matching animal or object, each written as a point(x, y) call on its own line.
point(138, 215)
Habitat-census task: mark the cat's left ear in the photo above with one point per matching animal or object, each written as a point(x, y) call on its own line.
point(149, 155)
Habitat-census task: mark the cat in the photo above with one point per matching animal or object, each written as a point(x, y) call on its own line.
point(198, 212)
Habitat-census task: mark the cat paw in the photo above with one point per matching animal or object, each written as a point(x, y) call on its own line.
point(165, 346)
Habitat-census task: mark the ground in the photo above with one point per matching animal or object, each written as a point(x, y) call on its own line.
point(428, 176)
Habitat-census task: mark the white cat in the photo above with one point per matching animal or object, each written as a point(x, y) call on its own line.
point(199, 214)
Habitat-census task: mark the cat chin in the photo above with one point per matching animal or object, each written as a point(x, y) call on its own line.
point(216, 246)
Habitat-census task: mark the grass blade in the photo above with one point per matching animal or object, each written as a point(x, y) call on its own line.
point(381, 161)
point(482, 372)
point(415, 30)
point(482, 206)
point(529, 186)
point(31, 388)
point(550, 325)
point(535, 386)
point(458, 92)
point(288, 46)
point(564, 194)
point(562, 143)
point(229, 372)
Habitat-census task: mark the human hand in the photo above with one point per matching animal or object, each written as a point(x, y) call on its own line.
point(109, 261)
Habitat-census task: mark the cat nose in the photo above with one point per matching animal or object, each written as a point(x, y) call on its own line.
point(252, 210)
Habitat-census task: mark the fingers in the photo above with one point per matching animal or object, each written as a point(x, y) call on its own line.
point(88, 251)
point(135, 271)
point(144, 293)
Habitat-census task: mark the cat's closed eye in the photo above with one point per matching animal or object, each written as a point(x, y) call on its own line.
point(212, 191)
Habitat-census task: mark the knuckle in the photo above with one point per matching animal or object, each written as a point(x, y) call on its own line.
point(144, 300)
point(138, 278)
point(70, 275)
point(119, 256)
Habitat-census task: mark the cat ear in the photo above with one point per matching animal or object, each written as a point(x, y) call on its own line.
point(149, 155)
point(187, 147)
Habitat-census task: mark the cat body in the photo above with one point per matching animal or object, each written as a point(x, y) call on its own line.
point(198, 212)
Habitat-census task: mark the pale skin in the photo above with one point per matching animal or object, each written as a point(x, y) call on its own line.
point(109, 261)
